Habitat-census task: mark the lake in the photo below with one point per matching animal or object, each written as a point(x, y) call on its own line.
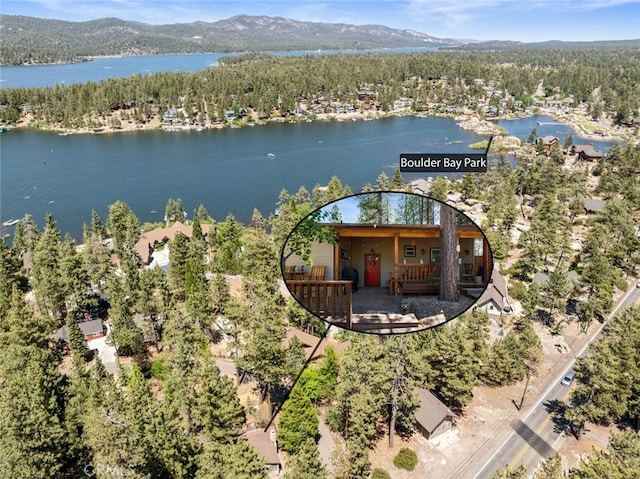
point(227, 170)
point(102, 68)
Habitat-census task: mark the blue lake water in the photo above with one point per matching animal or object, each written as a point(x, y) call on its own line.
point(227, 170)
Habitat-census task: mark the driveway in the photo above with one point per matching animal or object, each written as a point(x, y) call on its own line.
point(106, 352)
point(326, 444)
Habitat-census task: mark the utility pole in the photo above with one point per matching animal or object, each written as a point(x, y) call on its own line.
point(526, 385)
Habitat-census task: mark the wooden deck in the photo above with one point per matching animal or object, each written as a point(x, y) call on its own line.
point(329, 300)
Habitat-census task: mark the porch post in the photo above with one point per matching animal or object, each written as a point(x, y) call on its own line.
point(395, 264)
point(458, 251)
point(485, 261)
point(336, 261)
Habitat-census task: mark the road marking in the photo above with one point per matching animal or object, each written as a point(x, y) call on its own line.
point(541, 427)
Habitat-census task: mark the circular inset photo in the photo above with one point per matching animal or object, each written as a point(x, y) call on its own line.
point(387, 262)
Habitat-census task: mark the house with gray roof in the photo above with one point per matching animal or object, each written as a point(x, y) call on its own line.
point(266, 444)
point(586, 152)
point(91, 330)
point(593, 205)
point(433, 417)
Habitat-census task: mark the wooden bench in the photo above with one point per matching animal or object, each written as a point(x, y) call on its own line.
point(417, 278)
point(417, 287)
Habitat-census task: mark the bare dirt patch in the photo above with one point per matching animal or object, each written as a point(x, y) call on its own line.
point(382, 456)
point(594, 439)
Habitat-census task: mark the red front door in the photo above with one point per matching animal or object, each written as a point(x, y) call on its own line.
point(372, 270)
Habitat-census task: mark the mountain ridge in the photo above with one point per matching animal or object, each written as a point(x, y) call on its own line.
point(113, 36)
point(34, 40)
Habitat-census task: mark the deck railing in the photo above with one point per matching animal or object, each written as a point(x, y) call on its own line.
point(330, 300)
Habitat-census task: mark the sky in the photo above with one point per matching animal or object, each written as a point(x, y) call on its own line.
point(519, 20)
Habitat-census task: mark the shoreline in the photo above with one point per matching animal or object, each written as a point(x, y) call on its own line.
point(473, 123)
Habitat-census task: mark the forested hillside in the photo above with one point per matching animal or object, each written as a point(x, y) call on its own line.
point(23, 37)
point(603, 82)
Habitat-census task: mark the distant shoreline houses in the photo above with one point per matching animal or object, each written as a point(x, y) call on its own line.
point(586, 153)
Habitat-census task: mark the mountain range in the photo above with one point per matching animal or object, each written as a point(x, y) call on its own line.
point(32, 40)
point(112, 36)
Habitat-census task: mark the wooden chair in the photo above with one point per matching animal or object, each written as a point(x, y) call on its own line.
point(317, 273)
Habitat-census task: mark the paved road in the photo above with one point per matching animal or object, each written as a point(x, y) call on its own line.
point(227, 367)
point(534, 436)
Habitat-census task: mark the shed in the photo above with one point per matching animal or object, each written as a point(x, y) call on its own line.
point(433, 417)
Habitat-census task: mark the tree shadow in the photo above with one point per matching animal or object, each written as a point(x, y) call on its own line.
point(557, 409)
point(544, 318)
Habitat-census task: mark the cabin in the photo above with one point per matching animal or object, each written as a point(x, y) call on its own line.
point(593, 205)
point(91, 329)
point(266, 443)
point(146, 245)
point(586, 153)
point(495, 299)
point(549, 143)
point(433, 417)
point(389, 259)
point(312, 349)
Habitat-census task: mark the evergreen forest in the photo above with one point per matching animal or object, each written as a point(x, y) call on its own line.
point(256, 87)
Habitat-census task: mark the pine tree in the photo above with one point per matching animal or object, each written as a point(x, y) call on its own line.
point(25, 236)
point(228, 244)
point(237, 460)
point(179, 255)
point(306, 464)
point(77, 343)
point(619, 461)
point(33, 439)
point(217, 408)
point(550, 468)
point(174, 211)
point(401, 401)
point(46, 271)
point(124, 227)
point(298, 420)
point(11, 276)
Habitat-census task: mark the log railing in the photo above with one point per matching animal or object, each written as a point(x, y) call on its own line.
point(330, 300)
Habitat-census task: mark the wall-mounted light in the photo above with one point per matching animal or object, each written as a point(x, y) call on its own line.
point(372, 251)
point(423, 252)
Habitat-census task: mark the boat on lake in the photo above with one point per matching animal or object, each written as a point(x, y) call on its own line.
point(10, 222)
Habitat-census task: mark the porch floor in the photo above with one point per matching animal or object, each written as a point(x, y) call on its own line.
point(374, 310)
point(373, 299)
